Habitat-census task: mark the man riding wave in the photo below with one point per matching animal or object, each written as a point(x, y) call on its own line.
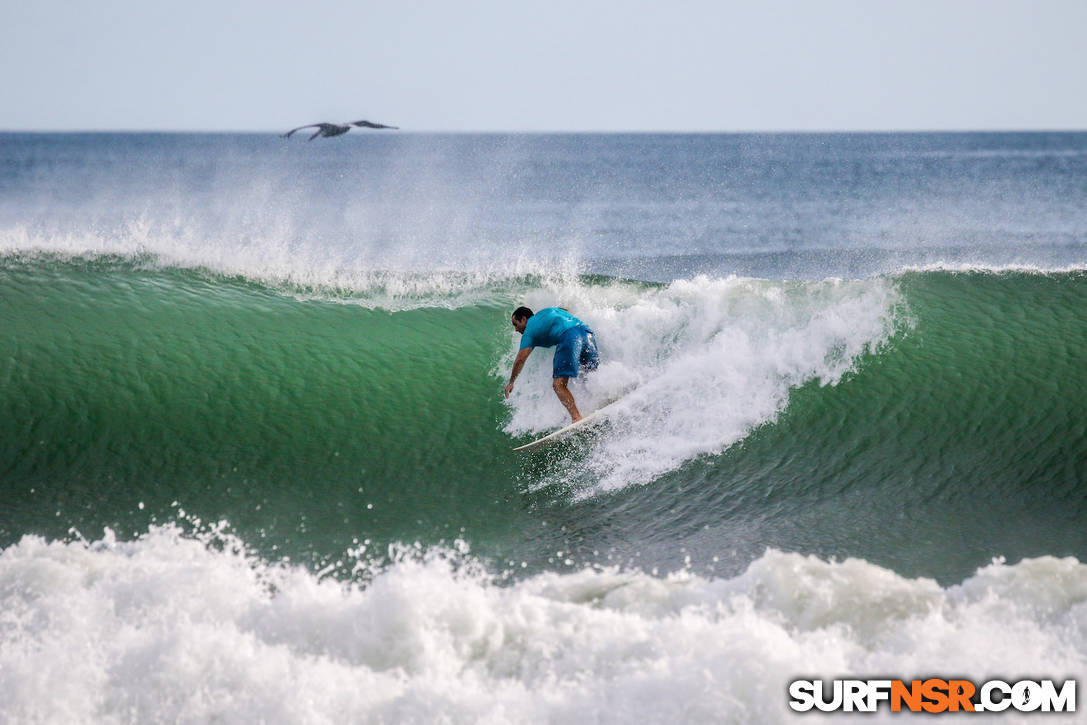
point(575, 348)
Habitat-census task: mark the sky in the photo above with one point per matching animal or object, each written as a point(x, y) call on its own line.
point(607, 65)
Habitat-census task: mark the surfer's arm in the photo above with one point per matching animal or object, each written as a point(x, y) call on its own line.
point(519, 363)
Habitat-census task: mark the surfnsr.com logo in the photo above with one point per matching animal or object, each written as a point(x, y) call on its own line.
point(933, 695)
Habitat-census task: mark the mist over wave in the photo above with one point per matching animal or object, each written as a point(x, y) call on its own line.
point(305, 270)
point(648, 207)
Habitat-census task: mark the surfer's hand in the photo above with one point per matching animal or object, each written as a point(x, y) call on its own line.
point(509, 389)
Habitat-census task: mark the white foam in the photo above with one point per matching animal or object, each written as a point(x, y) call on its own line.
point(166, 629)
point(710, 360)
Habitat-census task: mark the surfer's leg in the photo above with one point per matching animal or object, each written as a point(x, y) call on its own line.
point(566, 398)
point(566, 365)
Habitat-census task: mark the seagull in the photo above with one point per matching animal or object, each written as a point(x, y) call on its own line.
point(329, 130)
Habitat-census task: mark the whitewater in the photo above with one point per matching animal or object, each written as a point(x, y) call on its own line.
point(256, 466)
point(169, 628)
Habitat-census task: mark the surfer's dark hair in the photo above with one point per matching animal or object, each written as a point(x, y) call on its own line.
point(522, 312)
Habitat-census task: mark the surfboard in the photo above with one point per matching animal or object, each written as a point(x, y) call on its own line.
point(587, 421)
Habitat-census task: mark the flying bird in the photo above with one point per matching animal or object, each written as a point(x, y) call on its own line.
point(328, 130)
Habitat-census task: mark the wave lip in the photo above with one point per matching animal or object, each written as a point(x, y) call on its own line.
point(169, 628)
point(304, 269)
point(986, 267)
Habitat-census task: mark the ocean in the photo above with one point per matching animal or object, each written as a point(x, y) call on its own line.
point(256, 464)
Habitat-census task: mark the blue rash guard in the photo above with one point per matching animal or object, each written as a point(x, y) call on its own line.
point(546, 327)
point(552, 327)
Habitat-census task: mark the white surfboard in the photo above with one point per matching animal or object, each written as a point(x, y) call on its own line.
point(589, 420)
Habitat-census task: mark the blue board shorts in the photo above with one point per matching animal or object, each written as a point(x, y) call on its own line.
point(577, 348)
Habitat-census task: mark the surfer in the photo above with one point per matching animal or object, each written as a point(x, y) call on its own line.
point(576, 347)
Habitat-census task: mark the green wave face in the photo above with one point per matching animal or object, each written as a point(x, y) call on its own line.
point(124, 387)
point(883, 418)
